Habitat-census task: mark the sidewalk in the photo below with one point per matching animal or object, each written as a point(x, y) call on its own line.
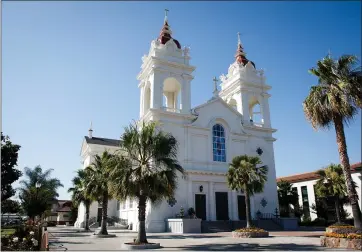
point(69, 239)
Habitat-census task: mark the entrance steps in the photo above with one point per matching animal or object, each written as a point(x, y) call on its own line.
point(228, 226)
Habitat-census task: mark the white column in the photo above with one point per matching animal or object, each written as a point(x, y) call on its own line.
point(311, 200)
point(156, 91)
point(265, 111)
point(142, 98)
point(185, 97)
point(211, 210)
point(245, 107)
point(300, 199)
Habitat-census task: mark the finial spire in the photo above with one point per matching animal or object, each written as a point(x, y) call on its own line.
point(216, 91)
point(166, 33)
point(90, 131)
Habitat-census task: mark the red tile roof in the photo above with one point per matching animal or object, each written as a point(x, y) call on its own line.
point(64, 206)
point(312, 175)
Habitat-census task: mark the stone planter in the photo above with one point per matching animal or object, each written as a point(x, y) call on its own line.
point(333, 229)
point(183, 226)
point(332, 242)
point(249, 234)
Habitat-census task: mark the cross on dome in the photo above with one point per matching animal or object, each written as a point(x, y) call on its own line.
point(165, 34)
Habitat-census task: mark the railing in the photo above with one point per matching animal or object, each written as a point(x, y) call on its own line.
point(92, 221)
point(112, 220)
point(270, 216)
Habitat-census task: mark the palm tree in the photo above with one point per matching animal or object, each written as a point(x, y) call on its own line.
point(97, 186)
point(148, 169)
point(38, 191)
point(244, 175)
point(79, 193)
point(286, 196)
point(332, 184)
point(336, 100)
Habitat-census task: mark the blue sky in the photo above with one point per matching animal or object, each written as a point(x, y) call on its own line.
point(67, 63)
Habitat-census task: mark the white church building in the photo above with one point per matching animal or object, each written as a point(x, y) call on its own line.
point(234, 121)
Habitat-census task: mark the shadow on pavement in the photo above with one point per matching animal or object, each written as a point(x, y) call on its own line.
point(250, 247)
point(182, 236)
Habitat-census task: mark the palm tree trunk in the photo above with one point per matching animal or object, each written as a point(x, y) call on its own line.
point(86, 228)
point(141, 237)
point(104, 214)
point(338, 210)
point(247, 207)
point(343, 156)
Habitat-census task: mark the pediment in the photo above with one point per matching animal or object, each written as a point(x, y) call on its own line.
point(218, 109)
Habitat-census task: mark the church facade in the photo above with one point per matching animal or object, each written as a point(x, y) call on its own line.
point(234, 121)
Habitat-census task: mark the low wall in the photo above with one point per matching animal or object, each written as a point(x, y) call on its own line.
point(183, 226)
point(289, 223)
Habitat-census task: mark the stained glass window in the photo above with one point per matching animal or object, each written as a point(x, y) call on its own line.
point(219, 150)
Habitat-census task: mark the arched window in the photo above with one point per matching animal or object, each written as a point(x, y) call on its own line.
point(218, 143)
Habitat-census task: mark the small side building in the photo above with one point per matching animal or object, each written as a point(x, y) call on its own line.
point(304, 184)
point(61, 212)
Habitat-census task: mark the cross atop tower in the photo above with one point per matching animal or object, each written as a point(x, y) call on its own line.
point(166, 12)
point(216, 91)
point(90, 131)
point(239, 40)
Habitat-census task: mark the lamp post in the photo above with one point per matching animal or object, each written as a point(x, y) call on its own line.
point(37, 186)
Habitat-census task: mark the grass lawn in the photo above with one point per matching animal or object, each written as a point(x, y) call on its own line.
point(8, 231)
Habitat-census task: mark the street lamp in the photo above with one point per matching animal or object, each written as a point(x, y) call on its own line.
point(37, 185)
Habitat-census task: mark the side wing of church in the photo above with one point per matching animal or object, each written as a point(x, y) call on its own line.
point(234, 121)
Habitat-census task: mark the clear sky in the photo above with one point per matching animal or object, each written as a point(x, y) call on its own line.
point(67, 63)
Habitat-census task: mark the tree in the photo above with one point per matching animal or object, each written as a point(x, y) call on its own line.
point(244, 175)
point(97, 186)
point(79, 193)
point(335, 101)
point(38, 191)
point(148, 169)
point(332, 184)
point(286, 196)
point(9, 174)
point(10, 206)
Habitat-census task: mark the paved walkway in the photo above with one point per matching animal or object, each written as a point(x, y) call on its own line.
point(69, 239)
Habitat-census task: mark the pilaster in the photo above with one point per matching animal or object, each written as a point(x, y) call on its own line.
point(190, 193)
point(211, 212)
point(235, 209)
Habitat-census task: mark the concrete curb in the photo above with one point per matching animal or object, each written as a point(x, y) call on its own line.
point(142, 246)
point(104, 236)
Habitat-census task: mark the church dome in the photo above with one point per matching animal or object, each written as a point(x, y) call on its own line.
point(165, 34)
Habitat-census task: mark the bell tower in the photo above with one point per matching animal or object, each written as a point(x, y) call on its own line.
point(165, 76)
point(244, 89)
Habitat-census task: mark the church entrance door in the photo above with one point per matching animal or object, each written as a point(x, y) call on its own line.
point(222, 206)
point(200, 205)
point(241, 207)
